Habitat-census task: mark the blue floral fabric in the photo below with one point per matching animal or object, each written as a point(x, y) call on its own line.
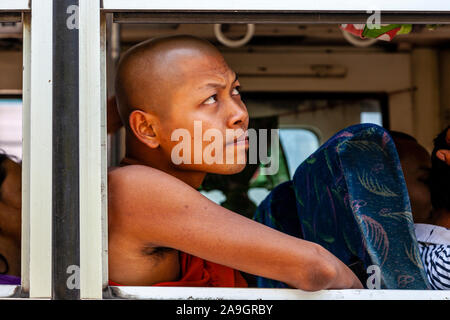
point(351, 198)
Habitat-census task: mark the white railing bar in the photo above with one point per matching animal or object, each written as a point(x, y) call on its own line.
point(40, 150)
point(289, 5)
point(92, 149)
point(183, 293)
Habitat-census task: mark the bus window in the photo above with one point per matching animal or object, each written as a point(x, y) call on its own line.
point(215, 195)
point(371, 113)
point(298, 144)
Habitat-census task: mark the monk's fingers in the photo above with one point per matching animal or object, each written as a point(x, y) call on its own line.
point(444, 155)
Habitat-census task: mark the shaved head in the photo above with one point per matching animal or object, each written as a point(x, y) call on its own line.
point(149, 72)
point(172, 83)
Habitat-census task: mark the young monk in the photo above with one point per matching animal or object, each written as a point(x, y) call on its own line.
point(160, 227)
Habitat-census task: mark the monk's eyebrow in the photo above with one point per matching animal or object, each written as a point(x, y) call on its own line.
point(218, 85)
point(213, 85)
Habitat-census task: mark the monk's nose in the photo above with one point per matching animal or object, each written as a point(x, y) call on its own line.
point(238, 116)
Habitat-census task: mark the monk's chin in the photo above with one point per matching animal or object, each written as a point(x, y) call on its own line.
point(226, 168)
point(215, 168)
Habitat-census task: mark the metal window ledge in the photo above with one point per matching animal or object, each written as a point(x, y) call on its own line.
point(303, 17)
point(188, 293)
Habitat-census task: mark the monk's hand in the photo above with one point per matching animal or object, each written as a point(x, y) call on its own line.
point(347, 276)
point(444, 154)
point(342, 277)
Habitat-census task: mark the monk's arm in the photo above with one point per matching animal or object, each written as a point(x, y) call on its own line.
point(154, 207)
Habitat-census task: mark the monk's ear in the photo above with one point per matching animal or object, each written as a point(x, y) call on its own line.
point(143, 126)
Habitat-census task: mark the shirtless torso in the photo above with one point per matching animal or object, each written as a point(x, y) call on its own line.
point(139, 264)
point(135, 262)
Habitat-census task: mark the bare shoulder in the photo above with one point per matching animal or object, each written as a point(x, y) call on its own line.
point(153, 207)
point(138, 180)
point(132, 172)
point(132, 182)
point(137, 191)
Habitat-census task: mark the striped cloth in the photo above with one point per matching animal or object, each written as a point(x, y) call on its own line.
point(434, 247)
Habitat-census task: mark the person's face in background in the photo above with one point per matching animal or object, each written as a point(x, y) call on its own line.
point(10, 199)
point(10, 188)
point(416, 165)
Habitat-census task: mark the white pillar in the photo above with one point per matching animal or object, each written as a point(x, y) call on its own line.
point(25, 251)
point(40, 149)
point(93, 166)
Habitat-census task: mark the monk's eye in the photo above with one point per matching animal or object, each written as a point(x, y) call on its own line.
point(211, 100)
point(235, 91)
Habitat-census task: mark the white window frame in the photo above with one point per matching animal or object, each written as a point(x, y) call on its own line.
point(93, 155)
point(38, 123)
point(258, 5)
point(37, 149)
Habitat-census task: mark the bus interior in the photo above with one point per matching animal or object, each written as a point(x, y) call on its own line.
point(309, 80)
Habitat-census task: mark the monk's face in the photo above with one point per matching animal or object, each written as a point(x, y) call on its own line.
point(10, 199)
point(205, 103)
point(10, 187)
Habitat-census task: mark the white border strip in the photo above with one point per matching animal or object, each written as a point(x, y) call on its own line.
point(40, 154)
point(323, 5)
point(26, 137)
point(183, 293)
point(16, 5)
point(92, 148)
